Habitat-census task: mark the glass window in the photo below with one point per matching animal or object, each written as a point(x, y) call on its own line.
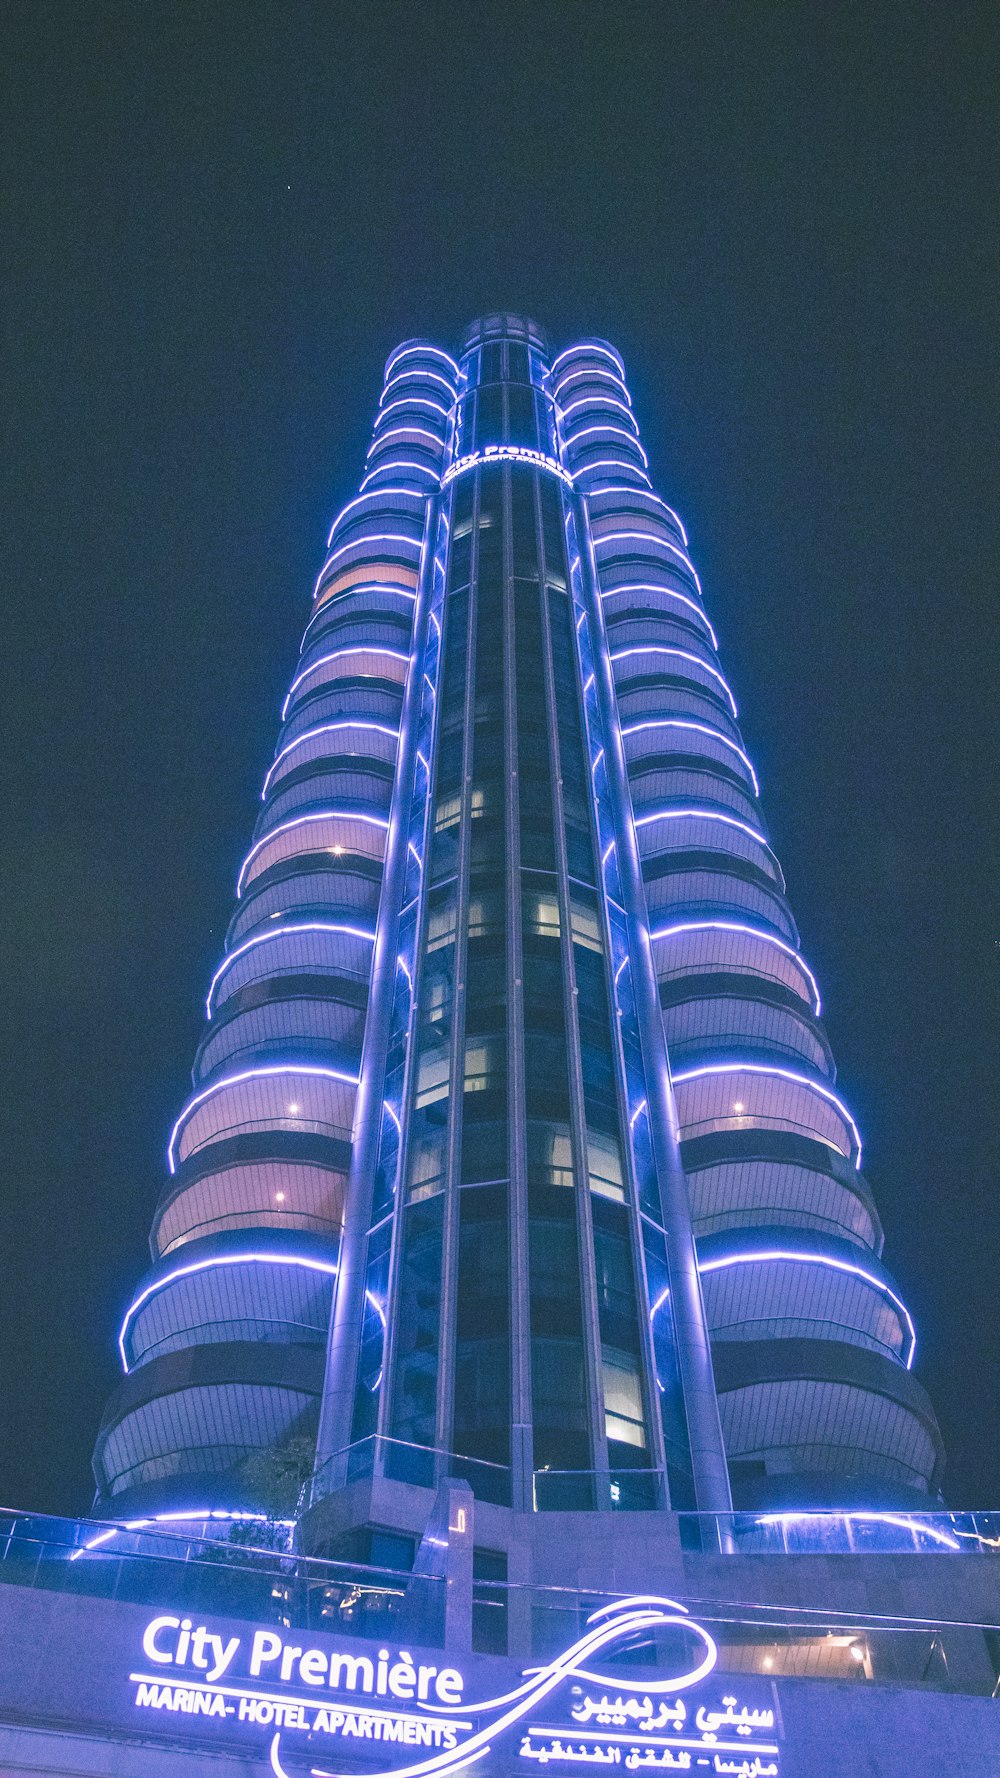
point(585, 923)
point(624, 1421)
point(604, 1166)
point(440, 923)
point(550, 1154)
point(542, 915)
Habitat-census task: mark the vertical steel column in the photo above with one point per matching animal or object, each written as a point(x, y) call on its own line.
point(708, 1452)
point(337, 1406)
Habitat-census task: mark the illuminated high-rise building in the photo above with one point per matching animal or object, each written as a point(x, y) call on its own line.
point(514, 1151)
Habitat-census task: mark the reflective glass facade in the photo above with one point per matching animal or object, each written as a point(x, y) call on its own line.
point(514, 1151)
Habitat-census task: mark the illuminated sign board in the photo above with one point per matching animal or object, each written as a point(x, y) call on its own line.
point(503, 453)
point(391, 1713)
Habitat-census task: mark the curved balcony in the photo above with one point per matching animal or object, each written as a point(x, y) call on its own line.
point(332, 831)
point(745, 1191)
point(297, 1018)
point(295, 1097)
point(270, 1287)
point(313, 888)
point(353, 663)
point(304, 948)
point(683, 779)
point(378, 574)
point(702, 948)
point(707, 831)
point(711, 1016)
point(267, 1192)
point(348, 783)
point(360, 605)
point(763, 1286)
point(361, 740)
point(344, 700)
point(738, 1095)
point(706, 886)
point(819, 1423)
point(197, 1415)
point(636, 502)
point(350, 625)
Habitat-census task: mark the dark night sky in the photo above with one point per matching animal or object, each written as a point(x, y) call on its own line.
point(217, 220)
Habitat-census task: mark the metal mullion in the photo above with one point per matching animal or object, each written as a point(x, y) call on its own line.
point(578, 1120)
point(447, 1325)
point(520, 1320)
point(398, 1210)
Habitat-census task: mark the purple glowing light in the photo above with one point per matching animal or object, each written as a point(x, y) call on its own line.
point(798, 1257)
point(750, 931)
point(593, 401)
point(702, 815)
point(233, 1080)
point(390, 654)
point(666, 592)
point(613, 431)
point(420, 351)
point(612, 463)
point(407, 376)
point(364, 543)
point(577, 376)
point(800, 1080)
point(641, 494)
point(648, 537)
point(411, 401)
point(379, 494)
point(683, 654)
point(700, 728)
point(401, 463)
point(301, 821)
point(591, 351)
point(205, 1265)
point(405, 432)
point(262, 938)
point(326, 728)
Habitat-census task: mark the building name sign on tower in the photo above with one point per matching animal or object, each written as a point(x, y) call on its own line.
point(504, 453)
point(315, 1702)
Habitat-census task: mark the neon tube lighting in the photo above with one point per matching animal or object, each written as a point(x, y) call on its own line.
point(815, 1259)
point(262, 938)
point(405, 432)
point(700, 728)
point(616, 432)
point(420, 352)
point(800, 1080)
point(751, 931)
point(409, 401)
point(392, 654)
point(407, 468)
point(363, 543)
point(612, 463)
point(233, 1080)
point(197, 1515)
point(641, 494)
point(904, 1521)
point(623, 654)
point(576, 376)
point(594, 351)
point(594, 401)
point(425, 376)
point(326, 728)
point(300, 821)
point(379, 494)
point(702, 815)
point(205, 1265)
point(648, 537)
point(667, 592)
